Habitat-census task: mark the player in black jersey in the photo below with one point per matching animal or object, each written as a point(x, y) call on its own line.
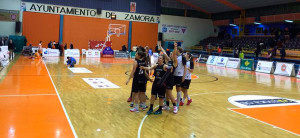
point(172, 64)
point(139, 82)
point(158, 88)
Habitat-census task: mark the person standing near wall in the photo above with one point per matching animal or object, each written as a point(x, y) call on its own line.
point(282, 53)
point(71, 46)
point(11, 48)
point(2, 42)
point(61, 47)
point(66, 46)
point(40, 48)
point(209, 48)
point(50, 44)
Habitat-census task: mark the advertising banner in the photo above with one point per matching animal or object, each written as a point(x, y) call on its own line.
point(247, 64)
point(285, 69)
point(265, 67)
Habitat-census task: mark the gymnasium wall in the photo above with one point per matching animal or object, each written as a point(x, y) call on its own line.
point(79, 30)
point(197, 29)
point(151, 7)
point(7, 27)
point(40, 27)
point(144, 34)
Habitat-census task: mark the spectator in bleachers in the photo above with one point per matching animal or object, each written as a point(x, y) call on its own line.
point(271, 54)
point(282, 54)
point(209, 48)
point(258, 50)
point(235, 53)
point(241, 54)
point(219, 51)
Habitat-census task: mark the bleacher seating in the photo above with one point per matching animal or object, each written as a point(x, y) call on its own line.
point(248, 42)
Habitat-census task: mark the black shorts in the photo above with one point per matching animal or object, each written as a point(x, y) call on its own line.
point(170, 83)
point(159, 90)
point(186, 84)
point(138, 87)
point(177, 80)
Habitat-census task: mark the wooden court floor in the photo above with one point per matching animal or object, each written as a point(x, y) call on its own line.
point(31, 107)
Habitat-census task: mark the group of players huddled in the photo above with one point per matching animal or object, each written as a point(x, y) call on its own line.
point(170, 70)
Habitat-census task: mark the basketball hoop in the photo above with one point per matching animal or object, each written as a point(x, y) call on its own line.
point(115, 29)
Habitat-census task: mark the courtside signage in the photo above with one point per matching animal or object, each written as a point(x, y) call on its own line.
point(264, 67)
point(93, 53)
point(285, 69)
point(252, 101)
point(57, 9)
point(233, 63)
point(132, 17)
point(72, 53)
point(222, 61)
point(50, 52)
point(212, 60)
point(247, 64)
point(75, 11)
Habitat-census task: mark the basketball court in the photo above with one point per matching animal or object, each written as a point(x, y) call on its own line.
point(48, 98)
point(73, 59)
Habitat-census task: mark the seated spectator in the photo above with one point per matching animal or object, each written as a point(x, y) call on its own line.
point(36, 55)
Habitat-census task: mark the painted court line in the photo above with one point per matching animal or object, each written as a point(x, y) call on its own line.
point(143, 120)
point(27, 95)
point(263, 122)
point(73, 130)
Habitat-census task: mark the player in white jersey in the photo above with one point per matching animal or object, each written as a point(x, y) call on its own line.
point(180, 72)
point(186, 84)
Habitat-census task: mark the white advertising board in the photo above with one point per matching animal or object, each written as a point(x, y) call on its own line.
point(212, 60)
point(222, 61)
point(265, 67)
point(233, 63)
point(285, 69)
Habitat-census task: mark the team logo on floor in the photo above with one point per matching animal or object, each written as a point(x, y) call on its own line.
point(248, 101)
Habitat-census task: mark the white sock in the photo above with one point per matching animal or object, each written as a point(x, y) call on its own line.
point(137, 106)
point(178, 97)
point(188, 97)
point(183, 99)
